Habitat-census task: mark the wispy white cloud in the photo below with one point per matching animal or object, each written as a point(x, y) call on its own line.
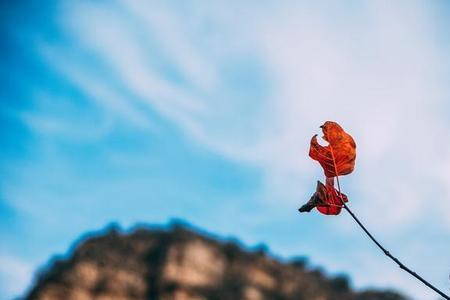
point(375, 72)
point(375, 67)
point(15, 274)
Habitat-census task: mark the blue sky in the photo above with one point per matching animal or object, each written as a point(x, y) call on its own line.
point(131, 112)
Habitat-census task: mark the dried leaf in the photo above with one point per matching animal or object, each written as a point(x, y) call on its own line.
point(327, 200)
point(338, 157)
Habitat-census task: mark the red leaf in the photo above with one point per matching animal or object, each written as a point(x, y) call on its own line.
point(326, 199)
point(338, 157)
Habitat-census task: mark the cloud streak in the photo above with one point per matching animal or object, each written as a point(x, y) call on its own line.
point(252, 83)
point(376, 73)
point(15, 274)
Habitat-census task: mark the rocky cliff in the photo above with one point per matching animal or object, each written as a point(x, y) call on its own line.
point(180, 264)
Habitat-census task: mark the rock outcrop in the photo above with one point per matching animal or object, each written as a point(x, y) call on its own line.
point(180, 264)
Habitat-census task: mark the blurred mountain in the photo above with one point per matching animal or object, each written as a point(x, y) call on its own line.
point(182, 264)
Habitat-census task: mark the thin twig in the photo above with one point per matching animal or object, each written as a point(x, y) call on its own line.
point(387, 253)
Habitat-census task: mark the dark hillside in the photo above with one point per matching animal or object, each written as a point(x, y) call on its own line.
point(180, 264)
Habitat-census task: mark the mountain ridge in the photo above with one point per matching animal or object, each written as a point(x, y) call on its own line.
point(181, 262)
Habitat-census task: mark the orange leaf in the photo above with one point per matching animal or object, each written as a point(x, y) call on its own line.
point(338, 157)
point(326, 199)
